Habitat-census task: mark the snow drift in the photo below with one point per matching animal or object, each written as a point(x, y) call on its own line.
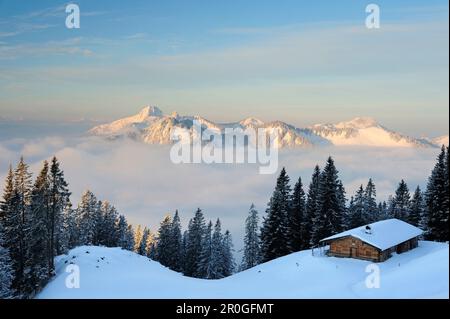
point(114, 273)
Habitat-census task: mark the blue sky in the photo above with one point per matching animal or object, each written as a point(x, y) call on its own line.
point(298, 61)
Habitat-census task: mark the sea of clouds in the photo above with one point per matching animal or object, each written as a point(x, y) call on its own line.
point(143, 183)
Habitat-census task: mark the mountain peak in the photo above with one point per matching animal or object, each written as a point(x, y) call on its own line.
point(149, 111)
point(358, 123)
point(251, 121)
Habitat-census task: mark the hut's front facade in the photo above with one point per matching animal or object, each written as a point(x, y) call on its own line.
point(376, 242)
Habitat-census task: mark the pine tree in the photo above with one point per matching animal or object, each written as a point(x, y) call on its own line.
point(297, 216)
point(10, 223)
point(107, 231)
point(137, 238)
point(330, 209)
point(216, 269)
point(417, 207)
point(401, 202)
point(205, 268)
point(130, 241)
point(370, 203)
point(436, 198)
point(274, 232)
point(164, 249)
point(40, 253)
point(356, 210)
point(383, 211)
point(311, 205)
point(227, 254)
point(6, 269)
point(142, 249)
point(122, 232)
point(195, 233)
point(88, 212)
point(67, 229)
point(176, 248)
point(16, 222)
point(252, 249)
point(59, 200)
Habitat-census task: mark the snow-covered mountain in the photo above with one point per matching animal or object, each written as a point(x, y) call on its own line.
point(151, 126)
point(114, 273)
point(441, 140)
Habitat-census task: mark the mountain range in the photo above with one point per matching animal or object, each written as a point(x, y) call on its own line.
point(152, 126)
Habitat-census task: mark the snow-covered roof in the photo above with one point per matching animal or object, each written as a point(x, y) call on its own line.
point(383, 234)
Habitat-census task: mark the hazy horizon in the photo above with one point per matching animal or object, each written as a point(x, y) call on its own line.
point(299, 63)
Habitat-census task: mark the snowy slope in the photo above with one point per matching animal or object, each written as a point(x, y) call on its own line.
point(151, 126)
point(365, 132)
point(115, 273)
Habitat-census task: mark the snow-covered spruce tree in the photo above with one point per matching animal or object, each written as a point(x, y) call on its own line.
point(67, 229)
point(10, 221)
point(137, 238)
point(383, 211)
point(142, 249)
point(216, 269)
point(390, 207)
point(330, 205)
point(311, 206)
point(38, 263)
point(274, 232)
point(205, 268)
point(164, 242)
point(227, 255)
point(356, 209)
point(183, 250)
point(122, 232)
point(176, 248)
point(107, 231)
point(6, 269)
point(297, 216)
point(88, 212)
point(196, 230)
point(417, 208)
point(252, 249)
point(401, 202)
point(342, 201)
point(18, 244)
point(130, 241)
point(436, 198)
point(59, 200)
point(370, 203)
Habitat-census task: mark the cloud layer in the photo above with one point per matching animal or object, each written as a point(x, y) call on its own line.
point(142, 182)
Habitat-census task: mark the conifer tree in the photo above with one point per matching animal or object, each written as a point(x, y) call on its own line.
point(370, 203)
point(356, 209)
point(297, 215)
point(205, 265)
point(274, 232)
point(401, 202)
point(176, 249)
point(59, 200)
point(330, 208)
point(88, 211)
point(216, 269)
point(311, 205)
point(164, 249)
point(195, 233)
point(6, 269)
point(40, 253)
point(252, 249)
point(436, 198)
point(227, 254)
point(416, 211)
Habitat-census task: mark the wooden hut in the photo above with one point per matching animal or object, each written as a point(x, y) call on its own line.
point(376, 242)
